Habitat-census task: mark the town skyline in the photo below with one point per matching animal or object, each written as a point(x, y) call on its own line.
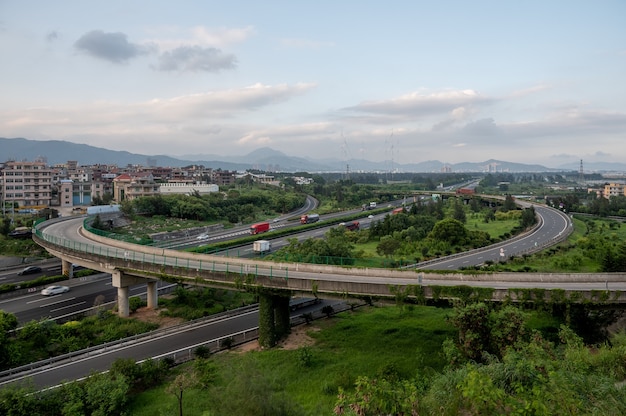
point(451, 82)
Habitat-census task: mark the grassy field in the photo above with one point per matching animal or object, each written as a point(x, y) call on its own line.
point(304, 379)
point(495, 229)
point(369, 341)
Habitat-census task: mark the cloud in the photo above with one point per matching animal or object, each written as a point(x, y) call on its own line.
point(113, 47)
point(170, 38)
point(52, 36)
point(195, 59)
point(530, 91)
point(484, 127)
point(418, 104)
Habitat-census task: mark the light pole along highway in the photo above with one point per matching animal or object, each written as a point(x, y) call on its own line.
point(131, 264)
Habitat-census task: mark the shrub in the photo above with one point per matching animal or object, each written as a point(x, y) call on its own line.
point(203, 351)
point(135, 303)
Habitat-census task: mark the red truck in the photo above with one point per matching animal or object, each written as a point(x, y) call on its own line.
point(397, 211)
point(309, 218)
point(351, 226)
point(259, 228)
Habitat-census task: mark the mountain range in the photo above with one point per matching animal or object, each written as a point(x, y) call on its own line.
point(267, 159)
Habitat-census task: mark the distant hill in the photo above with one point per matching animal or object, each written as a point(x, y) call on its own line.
point(59, 151)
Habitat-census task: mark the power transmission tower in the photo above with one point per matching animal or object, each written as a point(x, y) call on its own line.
point(581, 173)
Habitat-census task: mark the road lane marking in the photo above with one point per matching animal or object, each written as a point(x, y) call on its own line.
point(55, 303)
point(66, 307)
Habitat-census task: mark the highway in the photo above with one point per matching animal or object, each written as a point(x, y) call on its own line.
point(85, 293)
point(180, 340)
point(553, 225)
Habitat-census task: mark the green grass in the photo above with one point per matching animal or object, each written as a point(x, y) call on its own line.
point(495, 229)
point(366, 342)
point(568, 256)
point(406, 341)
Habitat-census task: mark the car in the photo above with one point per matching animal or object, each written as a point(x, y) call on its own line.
point(21, 232)
point(370, 216)
point(202, 237)
point(54, 290)
point(30, 270)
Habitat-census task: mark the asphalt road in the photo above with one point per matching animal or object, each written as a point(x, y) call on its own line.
point(553, 225)
point(182, 341)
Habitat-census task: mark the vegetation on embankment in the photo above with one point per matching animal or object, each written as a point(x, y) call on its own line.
point(394, 360)
point(596, 245)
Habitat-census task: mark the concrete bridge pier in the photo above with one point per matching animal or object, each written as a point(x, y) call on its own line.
point(274, 318)
point(122, 282)
point(152, 295)
point(66, 268)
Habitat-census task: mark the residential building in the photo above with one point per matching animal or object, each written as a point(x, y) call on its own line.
point(134, 185)
point(614, 189)
point(27, 185)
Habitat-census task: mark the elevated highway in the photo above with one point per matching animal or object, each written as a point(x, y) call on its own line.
point(131, 264)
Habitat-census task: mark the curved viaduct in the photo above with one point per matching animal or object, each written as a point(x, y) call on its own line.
point(131, 264)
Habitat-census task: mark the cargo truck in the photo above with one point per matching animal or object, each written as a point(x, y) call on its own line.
point(309, 218)
point(262, 246)
point(259, 228)
point(351, 226)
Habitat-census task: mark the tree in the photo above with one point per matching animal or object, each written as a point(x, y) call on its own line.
point(459, 211)
point(529, 217)
point(182, 382)
point(449, 230)
point(387, 246)
point(8, 322)
point(509, 203)
point(379, 397)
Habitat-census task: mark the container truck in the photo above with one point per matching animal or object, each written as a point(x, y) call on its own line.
point(309, 218)
point(262, 246)
point(259, 228)
point(351, 226)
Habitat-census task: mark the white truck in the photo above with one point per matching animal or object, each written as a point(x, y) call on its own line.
point(262, 246)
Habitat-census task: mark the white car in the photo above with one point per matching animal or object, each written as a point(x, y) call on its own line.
point(370, 216)
point(54, 290)
point(202, 237)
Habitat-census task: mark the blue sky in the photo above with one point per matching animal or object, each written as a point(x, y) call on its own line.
point(531, 82)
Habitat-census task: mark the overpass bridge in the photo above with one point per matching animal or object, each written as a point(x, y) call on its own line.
point(131, 264)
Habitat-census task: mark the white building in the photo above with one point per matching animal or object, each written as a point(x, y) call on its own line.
point(187, 188)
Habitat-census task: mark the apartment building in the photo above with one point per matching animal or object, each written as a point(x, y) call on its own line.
point(129, 186)
point(26, 185)
point(614, 189)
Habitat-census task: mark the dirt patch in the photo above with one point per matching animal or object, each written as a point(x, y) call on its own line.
point(151, 315)
point(298, 338)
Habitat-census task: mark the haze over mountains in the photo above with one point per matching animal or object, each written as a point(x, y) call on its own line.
point(58, 151)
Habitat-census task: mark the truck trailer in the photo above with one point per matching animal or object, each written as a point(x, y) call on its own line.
point(259, 228)
point(351, 226)
point(261, 246)
point(309, 218)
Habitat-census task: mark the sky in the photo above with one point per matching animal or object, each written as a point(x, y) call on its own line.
point(407, 81)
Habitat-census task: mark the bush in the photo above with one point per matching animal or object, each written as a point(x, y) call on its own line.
point(203, 351)
point(227, 343)
point(134, 303)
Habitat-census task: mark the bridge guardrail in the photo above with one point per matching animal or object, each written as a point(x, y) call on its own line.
point(99, 349)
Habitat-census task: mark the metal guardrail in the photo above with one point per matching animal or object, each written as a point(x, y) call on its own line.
point(112, 345)
point(178, 356)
